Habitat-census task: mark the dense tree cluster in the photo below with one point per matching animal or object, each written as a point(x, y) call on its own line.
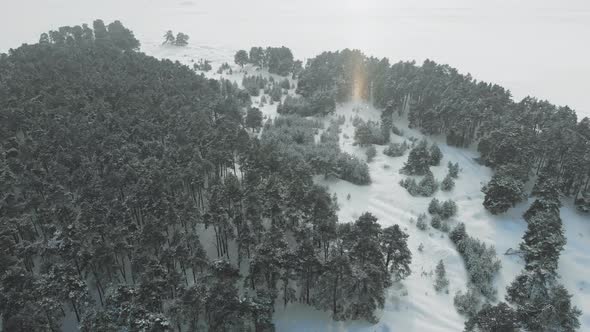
point(538, 301)
point(421, 158)
point(448, 183)
point(296, 136)
point(318, 104)
point(112, 177)
point(278, 60)
point(253, 84)
point(481, 262)
point(541, 303)
point(368, 132)
point(439, 100)
point(445, 210)
point(426, 187)
point(181, 39)
point(113, 35)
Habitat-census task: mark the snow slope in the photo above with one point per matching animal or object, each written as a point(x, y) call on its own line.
point(413, 305)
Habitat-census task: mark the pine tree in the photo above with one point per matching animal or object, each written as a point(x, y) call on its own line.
point(254, 118)
point(418, 160)
point(453, 170)
point(436, 221)
point(181, 39)
point(435, 155)
point(397, 255)
point(428, 185)
point(441, 282)
point(447, 183)
point(542, 304)
point(543, 242)
point(169, 38)
point(434, 206)
point(502, 192)
point(448, 209)
point(241, 58)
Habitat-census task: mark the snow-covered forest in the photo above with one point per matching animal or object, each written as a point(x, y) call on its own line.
point(254, 191)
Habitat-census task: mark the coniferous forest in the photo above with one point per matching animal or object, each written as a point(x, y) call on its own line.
point(117, 169)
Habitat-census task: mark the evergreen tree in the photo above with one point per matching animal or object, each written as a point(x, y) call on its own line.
point(543, 242)
point(418, 161)
point(453, 170)
point(502, 192)
point(436, 221)
point(434, 206)
point(441, 282)
point(241, 58)
point(122, 37)
point(448, 209)
point(257, 56)
point(397, 255)
point(447, 183)
point(181, 39)
point(498, 318)
point(254, 118)
point(365, 290)
point(542, 304)
point(169, 38)
point(435, 155)
point(428, 185)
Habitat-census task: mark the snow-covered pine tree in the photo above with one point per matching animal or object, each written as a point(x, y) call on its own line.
point(441, 282)
point(435, 155)
point(418, 161)
point(398, 257)
point(448, 183)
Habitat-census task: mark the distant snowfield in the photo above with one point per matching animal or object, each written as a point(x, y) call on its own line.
point(532, 47)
